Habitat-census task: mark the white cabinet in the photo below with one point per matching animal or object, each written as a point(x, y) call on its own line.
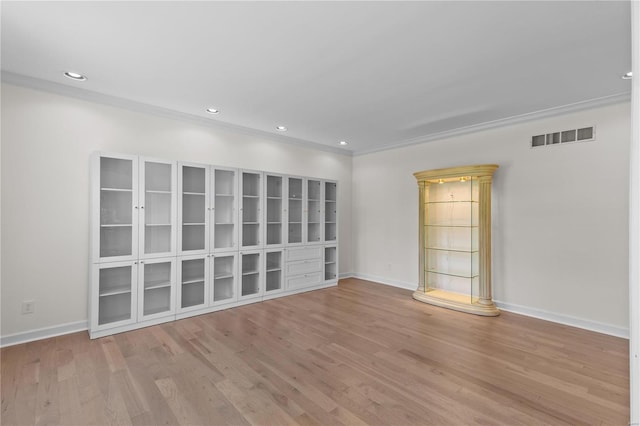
point(251, 274)
point(224, 208)
point(156, 288)
point(274, 210)
point(113, 295)
point(193, 208)
point(114, 208)
point(330, 263)
point(295, 209)
point(250, 209)
point(274, 271)
point(224, 271)
point(330, 211)
point(157, 207)
point(193, 283)
point(313, 211)
point(304, 267)
point(174, 239)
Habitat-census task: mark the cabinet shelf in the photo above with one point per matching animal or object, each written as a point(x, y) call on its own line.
point(250, 196)
point(225, 195)
point(154, 191)
point(451, 250)
point(223, 276)
point(193, 193)
point(450, 226)
point(117, 189)
point(116, 291)
point(157, 224)
point(453, 202)
point(251, 223)
point(194, 224)
point(274, 269)
point(250, 273)
point(453, 274)
point(199, 280)
point(116, 225)
point(224, 223)
point(153, 285)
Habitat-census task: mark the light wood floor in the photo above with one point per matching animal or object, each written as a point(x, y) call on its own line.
point(359, 353)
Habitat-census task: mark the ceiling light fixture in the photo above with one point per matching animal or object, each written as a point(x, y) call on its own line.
point(74, 76)
point(212, 111)
point(627, 76)
point(281, 129)
point(343, 143)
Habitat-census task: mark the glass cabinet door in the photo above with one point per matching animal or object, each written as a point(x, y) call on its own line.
point(274, 208)
point(224, 210)
point(451, 237)
point(194, 208)
point(314, 224)
point(224, 270)
point(116, 294)
point(330, 211)
point(251, 209)
point(330, 263)
point(156, 294)
point(294, 207)
point(193, 276)
point(274, 268)
point(157, 208)
point(118, 209)
point(250, 274)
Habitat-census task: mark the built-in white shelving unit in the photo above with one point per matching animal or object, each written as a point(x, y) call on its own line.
point(173, 239)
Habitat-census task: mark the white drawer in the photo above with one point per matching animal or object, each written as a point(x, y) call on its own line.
point(303, 253)
point(304, 267)
point(306, 280)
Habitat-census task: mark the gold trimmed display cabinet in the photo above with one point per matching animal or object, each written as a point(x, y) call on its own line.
point(455, 238)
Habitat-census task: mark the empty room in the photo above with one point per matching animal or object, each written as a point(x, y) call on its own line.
point(320, 212)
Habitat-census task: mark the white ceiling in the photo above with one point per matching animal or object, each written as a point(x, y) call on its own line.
point(376, 74)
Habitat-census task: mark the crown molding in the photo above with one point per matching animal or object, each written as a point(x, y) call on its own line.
point(118, 102)
point(508, 121)
point(91, 96)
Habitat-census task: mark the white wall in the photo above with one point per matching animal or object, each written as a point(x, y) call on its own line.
point(560, 216)
point(47, 140)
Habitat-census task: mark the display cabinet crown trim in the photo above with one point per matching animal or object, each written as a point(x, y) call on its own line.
point(460, 171)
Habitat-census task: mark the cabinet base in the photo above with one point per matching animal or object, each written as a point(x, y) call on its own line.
point(455, 301)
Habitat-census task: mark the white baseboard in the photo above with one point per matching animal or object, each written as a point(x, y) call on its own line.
point(586, 324)
point(386, 281)
point(42, 333)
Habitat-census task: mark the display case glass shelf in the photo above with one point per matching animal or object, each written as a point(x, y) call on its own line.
point(455, 238)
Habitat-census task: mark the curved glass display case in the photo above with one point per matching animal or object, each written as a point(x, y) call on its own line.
point(455, 238)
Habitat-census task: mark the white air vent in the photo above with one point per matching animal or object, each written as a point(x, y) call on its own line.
point(565, 136)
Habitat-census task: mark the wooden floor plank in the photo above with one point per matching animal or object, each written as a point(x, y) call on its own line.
point(359, 353)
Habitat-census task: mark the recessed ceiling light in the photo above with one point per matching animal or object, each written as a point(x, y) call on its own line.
point(212, 111)
point(343, 143)
point(627, 76)
point(281, 129)
point(75, 76)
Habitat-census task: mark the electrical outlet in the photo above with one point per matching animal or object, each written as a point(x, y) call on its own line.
point(28, 306)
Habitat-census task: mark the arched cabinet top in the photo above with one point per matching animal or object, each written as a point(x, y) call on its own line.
point(456, 172)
